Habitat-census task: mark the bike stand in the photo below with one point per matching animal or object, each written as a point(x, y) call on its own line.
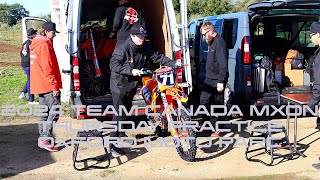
point(98, 159)
point(271, 150)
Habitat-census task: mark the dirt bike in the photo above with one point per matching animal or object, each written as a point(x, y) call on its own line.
point(162, 90)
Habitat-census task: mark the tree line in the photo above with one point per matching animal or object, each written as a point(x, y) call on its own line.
point(10, 14)
point(201, 8)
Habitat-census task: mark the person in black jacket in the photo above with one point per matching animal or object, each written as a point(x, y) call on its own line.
point(126, 63)
point(315, 93)
point(125, 17)
point(216, 69)
point(25, 63)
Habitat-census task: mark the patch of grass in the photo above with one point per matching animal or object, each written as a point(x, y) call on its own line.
point(10, 57)
point(12, 80)
point(13, 36)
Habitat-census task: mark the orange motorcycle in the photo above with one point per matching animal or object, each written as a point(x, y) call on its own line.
point(163, 94)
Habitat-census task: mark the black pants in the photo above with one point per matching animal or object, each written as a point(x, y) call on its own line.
point(210, 96)
point(125, 99)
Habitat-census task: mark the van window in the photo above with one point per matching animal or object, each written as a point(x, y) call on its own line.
point(230, 32)
point(192, 31)
point(283, 31)
point(259, 29)
point(271, 30)
point(304, 34)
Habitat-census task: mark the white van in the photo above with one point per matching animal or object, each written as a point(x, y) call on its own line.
point(73, 17)
point(266, 30)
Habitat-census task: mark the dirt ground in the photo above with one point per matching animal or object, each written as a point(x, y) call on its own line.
point(8, 48)
point(20, 158)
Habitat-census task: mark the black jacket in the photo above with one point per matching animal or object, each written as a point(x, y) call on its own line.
point(217, 62)
point(125, 17)
point(315, 95)
point(25, 53)
point(129, 56)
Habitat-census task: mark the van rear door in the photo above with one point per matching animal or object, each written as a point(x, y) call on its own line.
point(265, 7)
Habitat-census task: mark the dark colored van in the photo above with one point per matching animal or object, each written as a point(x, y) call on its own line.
point(263, 33)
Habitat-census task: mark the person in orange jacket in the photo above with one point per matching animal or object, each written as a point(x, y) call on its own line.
point(46, 81)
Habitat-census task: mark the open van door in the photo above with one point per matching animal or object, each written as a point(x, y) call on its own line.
point(185, 45)
point(31, 22)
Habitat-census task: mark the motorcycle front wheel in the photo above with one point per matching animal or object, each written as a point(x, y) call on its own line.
point(187, 149)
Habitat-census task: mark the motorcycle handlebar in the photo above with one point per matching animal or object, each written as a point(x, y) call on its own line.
point(146, 72)
point(149, 72)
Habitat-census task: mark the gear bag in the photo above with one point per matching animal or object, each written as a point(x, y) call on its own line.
point(295, 58)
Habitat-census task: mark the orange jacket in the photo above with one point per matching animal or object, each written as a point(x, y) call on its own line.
point(44, 69)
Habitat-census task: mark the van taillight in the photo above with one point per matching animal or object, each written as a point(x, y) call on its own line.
point(245, 50)
point(249, 80)
point(76, 80)
point(179, 70)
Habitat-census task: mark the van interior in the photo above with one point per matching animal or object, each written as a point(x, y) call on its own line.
point(97, 16)
point(272, 38)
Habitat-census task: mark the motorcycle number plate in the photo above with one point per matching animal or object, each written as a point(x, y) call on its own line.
point(166, 78)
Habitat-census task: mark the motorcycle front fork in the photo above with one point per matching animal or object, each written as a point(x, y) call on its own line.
point(173, 131)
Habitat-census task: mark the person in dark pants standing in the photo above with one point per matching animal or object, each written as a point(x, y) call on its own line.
point(46, 81)
point(315, 93)
point(126, 63)
point(25, 63)
point(124, 19)
point(216, 70)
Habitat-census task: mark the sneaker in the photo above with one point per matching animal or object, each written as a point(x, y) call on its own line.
point(33, 102)
point(22, 96)
point(217, 134)
point(117, 151)
point(318, 126)
point(51, 149)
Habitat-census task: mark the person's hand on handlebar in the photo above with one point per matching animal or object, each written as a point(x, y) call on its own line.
point(136, 72)
point(178, 64)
